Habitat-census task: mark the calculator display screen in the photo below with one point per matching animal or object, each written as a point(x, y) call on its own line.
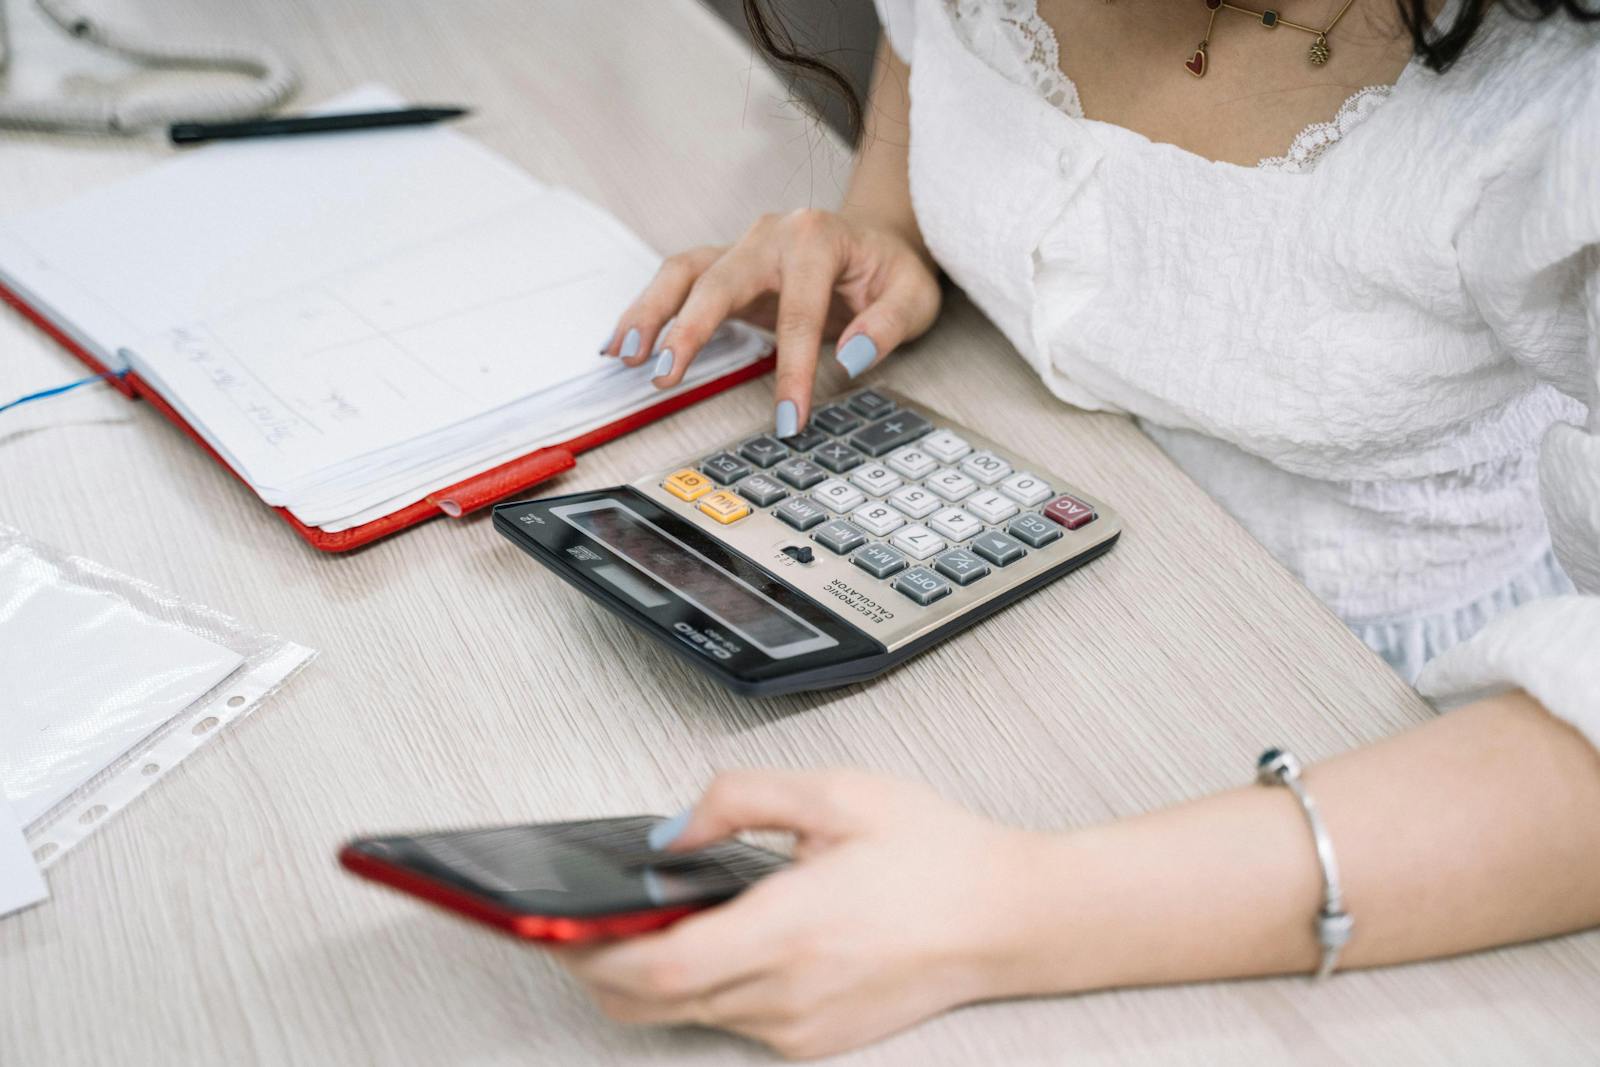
point(745, 611)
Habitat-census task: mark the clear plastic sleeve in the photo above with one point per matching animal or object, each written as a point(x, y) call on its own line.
point(107, 683)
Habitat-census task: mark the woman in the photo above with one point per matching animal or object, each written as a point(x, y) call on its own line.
point(1376, 341)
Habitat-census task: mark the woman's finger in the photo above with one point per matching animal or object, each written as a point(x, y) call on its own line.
point(669, 973)
point(634, 338)
point(806, 803)
point(809, 269)
point(730, 283)
point(905, 309)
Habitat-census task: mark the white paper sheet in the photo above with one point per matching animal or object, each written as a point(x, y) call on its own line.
point(86, 678)
point(21, 884)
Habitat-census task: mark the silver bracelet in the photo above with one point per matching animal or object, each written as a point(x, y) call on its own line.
point(1334, 924)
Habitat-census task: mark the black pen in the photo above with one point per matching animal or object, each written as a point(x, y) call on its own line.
point(197, 132)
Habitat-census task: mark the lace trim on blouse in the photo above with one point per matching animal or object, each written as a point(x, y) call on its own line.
point(1031, 41)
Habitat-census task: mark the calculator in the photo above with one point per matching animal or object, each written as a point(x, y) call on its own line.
point(825, 558)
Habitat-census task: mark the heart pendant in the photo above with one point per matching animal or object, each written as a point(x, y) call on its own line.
point(1197, 63)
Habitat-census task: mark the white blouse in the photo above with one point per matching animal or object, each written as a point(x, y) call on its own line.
point(1378, 351)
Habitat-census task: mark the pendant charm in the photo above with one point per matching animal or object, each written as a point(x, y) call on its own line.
point(1197, 62)
point(1319, 51)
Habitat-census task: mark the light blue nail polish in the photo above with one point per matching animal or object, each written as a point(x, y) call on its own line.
point(667, 831)
point(788, 418)
point(857, 354)
point(663, 363)
point(630, 344)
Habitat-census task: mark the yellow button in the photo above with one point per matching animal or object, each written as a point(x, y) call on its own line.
point(724, 507)
point(688, 485)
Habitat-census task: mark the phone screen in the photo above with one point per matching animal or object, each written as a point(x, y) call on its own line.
point(576, 869)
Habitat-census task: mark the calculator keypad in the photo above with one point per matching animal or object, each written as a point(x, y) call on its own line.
point(907, 503)
point(800, 473)
point(761, 490)
point(877, 519)
point(839, 535)
point(801, 512)
point(838, 457)
point(890, 432)
point(724, 507)
point(839, 495)
point(875, 478)
point(763, 451)
point(725, 468)
point(922, 585)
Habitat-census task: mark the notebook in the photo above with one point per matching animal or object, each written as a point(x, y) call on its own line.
point(367, 328)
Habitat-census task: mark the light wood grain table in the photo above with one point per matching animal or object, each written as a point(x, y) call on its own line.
point(459, 683)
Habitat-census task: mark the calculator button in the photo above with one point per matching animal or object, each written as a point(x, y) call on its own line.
point(725, 468)
point(761, 490)
point(922, 585)
point(1032, 530)
point(838, 457)
point(961, 566)
point(956, 524)
point(913, 462)
point(875, 478)
point(869, 404)
point(992, 507)
point(724, 507)
point(1026, 488)
point(879, 560)
point(835, 419)
point(952, 485)
point(800, 473)
point(915, 501)
point(917, 541)
point(806, 439)
point(1069, 511)
point(763, 451)
point(945, 446)
point(839, 535)
point(986, 467)
point(877, 519)
point(997, 548)
point(839, 495)
point(890, 432)
point(687, 484)
point(801, 512)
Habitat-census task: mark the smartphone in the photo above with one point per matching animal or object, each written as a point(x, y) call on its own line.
point(566, 882)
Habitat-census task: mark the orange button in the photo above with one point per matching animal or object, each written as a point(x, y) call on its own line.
point(687, 484)
point(724, 507)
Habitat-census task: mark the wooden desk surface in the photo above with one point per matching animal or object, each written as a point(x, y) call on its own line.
point(459, 683)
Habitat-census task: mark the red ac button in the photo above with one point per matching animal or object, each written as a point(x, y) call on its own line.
point(1069, 511)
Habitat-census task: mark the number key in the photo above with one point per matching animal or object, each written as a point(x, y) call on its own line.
point(991, 507)
point(875, 478)
point(912, 462)
point(839, 495)
point(956, 524)
point(917, 541)
point(877, 519)
point(914, 501)
point(952, 485)
point(1026, 488)
point(987, 467)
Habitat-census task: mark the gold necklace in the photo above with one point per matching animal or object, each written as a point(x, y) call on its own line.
point(1269, 19)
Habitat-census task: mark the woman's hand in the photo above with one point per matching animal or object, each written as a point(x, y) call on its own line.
point(897, 907)
point(808, 275)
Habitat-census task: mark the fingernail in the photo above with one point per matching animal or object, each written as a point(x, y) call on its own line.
point(857, 354)
point(667, 831)
point(663, 363)
point(788, 418)
point(630, 344)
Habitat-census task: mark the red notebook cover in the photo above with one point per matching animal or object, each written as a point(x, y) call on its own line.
point(463, 498)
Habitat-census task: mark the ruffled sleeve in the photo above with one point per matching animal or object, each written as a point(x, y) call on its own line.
point(1532, 246)
point(899, 21)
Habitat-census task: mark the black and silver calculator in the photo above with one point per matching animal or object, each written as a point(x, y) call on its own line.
point(824, 558)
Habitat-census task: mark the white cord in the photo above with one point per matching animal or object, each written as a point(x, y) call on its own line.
point(273, 82)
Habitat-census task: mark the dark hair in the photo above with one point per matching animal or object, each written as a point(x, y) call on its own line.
point(1438, 51)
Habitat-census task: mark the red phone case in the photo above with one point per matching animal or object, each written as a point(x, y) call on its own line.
point(558, 929)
